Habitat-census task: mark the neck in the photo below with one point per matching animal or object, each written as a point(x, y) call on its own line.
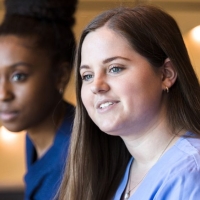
point(147, 143)
point(42, 138)
point(139, 170)
point(146, 147)
point(43, 134)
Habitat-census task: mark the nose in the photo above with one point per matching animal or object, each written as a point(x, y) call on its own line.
point(100, 85)
point(6, 93)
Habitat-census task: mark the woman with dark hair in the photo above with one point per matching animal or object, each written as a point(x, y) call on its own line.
point(137, 123)
point(36, 50)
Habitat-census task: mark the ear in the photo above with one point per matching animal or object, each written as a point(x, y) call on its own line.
point(63, 76)
point(169, 74)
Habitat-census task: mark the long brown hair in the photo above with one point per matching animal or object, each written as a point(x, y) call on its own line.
point(97, 161)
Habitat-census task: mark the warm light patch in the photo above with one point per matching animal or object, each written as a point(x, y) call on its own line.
point(196, 33)
point(6, 135)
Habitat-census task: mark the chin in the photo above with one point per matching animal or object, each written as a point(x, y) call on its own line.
point(12, 128)
point(109, 131)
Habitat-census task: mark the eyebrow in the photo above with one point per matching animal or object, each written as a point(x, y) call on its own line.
point(105, 61)
point(114, 58)
point(21, 64)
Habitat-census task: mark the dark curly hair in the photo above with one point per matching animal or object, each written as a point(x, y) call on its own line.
point(48, 23)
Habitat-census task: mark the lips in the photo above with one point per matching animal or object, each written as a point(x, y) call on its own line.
point(105, 104)
point(7, 115)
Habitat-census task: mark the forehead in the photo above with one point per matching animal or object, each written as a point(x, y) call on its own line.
point(105, 36)
point(26, 42)
point(16, 49)
point(103, 43)
point(26, 45)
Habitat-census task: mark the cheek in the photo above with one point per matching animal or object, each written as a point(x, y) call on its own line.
point(37, 90)
point(140, 92)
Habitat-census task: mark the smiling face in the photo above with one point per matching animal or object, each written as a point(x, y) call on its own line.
point(27, 86)
point(121, 91)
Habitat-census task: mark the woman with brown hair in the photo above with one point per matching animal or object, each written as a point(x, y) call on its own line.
point(36, 50)
point(137, 123)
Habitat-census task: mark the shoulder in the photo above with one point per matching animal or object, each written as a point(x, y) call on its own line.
point(183, 173)
point(67, 122)
point(188, 148)
point(184, 157)
point(70, 111)
point(182, 184)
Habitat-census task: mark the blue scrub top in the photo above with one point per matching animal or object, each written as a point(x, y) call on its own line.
point(44, 175)
point(176, 176)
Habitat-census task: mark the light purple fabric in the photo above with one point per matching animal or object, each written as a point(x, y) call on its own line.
point(176, 176)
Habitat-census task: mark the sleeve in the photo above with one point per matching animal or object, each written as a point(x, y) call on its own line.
point(183, 186)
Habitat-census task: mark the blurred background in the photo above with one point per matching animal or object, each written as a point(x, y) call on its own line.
point(12, 145)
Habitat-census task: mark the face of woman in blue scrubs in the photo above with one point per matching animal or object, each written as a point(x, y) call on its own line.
point(121, 91)
point(27, 84)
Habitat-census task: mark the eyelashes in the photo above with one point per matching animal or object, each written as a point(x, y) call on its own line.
point(112, 70)
point(87, 77)
point(19, 77)
point(116, 69)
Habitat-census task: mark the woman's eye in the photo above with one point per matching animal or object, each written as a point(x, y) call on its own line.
point(115, 69)
point(19, 77)
point(87, 77)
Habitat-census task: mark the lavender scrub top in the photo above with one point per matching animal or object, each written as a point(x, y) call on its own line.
point(176, 176)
